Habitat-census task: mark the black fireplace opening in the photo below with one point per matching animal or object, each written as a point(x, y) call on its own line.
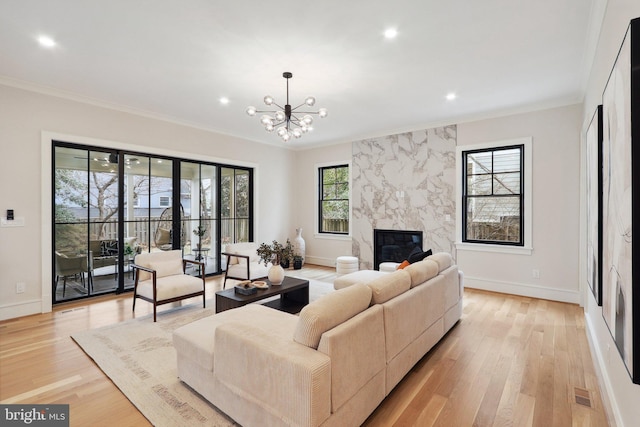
point(395, 245)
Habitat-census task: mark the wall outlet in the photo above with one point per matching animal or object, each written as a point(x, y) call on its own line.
point(536, 273)
point(21, 287)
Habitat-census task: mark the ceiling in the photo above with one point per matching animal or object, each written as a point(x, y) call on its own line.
point(175, 59)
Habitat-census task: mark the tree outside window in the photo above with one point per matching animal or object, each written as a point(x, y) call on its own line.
point(334, 199)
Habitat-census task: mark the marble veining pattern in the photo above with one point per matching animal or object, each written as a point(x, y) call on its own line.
point(404, 182)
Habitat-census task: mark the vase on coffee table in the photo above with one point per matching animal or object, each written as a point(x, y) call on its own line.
point(275, 274)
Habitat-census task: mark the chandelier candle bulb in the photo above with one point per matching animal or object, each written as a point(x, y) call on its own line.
point(289, 121)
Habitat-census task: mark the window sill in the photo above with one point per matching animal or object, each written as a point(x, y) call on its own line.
point(344, 237)
point(481, 247)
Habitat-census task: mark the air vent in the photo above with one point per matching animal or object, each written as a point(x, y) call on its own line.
point(582, 396)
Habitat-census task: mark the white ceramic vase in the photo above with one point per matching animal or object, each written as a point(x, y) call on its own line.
point(299, 244)
point(275, 274)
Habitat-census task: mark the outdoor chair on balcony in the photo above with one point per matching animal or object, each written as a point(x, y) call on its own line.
point(160, 279)
point(72, 266)
point(243, 262)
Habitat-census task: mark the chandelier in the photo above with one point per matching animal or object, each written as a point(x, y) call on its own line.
point(287, 121)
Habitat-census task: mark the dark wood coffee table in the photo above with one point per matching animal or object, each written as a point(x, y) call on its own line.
point(294, 294)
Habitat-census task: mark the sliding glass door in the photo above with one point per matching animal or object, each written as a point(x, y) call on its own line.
point(111, 205)
point(198, 195)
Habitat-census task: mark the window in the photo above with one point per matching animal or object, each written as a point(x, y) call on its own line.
point(493, 195)
point(333, 199)
point(165, 201)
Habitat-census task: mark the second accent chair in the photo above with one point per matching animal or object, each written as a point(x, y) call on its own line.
point(161, 279)
point(243, 262)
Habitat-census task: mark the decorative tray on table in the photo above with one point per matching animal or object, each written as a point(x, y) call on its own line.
point(245, 288)
point(260, 284)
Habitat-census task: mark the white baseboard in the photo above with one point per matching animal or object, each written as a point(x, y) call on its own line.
point(327, 262)
point(606, 389)
point(525, 290)
point(26, 308)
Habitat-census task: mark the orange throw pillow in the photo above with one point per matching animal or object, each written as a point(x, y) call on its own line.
point(403, 264)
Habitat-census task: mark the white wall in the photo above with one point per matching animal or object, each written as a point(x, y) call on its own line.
point(624, 395)
point(320, 249)
point(26, 118)
point(555, 144)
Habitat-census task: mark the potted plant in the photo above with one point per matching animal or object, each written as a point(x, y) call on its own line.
point(200, 231)
point(286, 254)
point(270, 253)
point(297, 262)
point(128, 250)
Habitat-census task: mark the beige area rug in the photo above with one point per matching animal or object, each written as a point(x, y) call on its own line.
point(138, 356)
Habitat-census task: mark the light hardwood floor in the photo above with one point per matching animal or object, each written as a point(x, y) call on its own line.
point(510, 361)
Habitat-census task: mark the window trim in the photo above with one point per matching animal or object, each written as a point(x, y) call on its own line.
point(330, 235)
point(526, 248)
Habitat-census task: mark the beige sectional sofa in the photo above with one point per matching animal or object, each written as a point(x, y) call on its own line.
point(334, 363)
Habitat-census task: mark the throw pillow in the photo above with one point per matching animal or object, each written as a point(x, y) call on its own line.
point(420, 256)
point(403, 264)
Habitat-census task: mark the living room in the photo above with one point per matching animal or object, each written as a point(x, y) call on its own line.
point(32, 116)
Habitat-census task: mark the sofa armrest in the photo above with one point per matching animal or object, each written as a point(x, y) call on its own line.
point(287, 379)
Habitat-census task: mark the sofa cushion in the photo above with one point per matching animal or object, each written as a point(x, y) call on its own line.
point(195, 340)
point(362, 276)
point(389, 286)
point(329, 311)
point(443, 259)
point(422, 271)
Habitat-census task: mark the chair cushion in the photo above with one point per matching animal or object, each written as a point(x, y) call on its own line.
point(163, 237)
point(167, 268)
point(171, 286)
point(256, 271)
point(173, 259)
point(243, 248)
point(329, 311)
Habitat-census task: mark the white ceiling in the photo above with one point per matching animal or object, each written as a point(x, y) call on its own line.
point(174, 59)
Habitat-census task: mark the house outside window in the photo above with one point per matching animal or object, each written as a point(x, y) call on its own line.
point(333, 199)
point(165, 201)
point(494, 190)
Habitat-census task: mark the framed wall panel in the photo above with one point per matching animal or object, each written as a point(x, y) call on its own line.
point(621, 208)
point(594, 205)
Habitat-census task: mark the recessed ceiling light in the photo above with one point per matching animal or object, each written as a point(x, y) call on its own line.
point(451, 96)
point(46, 41)
point(224, 100)
point(390, 33)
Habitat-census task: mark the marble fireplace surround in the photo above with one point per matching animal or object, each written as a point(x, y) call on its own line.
point(404, 182)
